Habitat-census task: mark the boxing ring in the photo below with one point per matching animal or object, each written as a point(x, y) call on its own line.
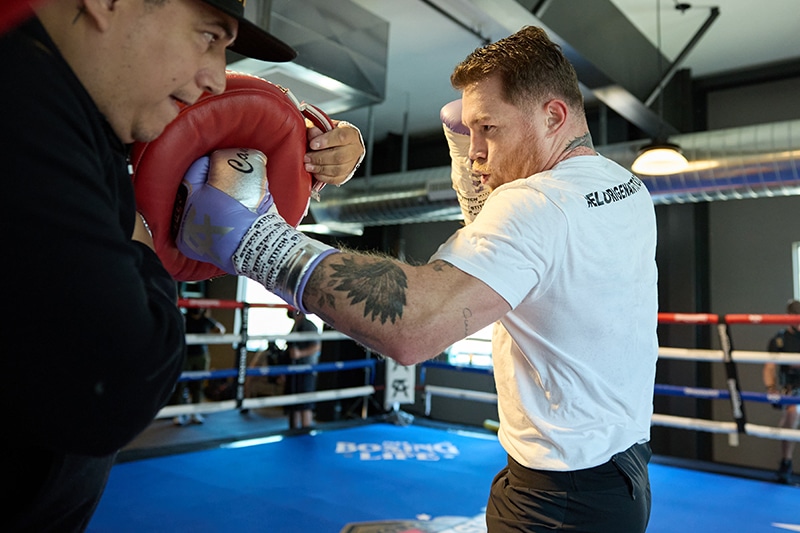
point(242, 371)
point(371, 475)
point(725, 355)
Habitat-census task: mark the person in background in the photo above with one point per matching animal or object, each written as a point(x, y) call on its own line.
point(257, 386)
point(83, 79)
point(197, 358)
point(559, 253)
point(785, 380)
point(302, 353)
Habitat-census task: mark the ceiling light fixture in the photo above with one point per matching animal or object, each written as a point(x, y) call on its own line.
point(661, 157)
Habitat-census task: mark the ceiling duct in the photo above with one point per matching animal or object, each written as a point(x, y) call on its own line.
point(730, 164)
point(736, 163)
point(398, 198)
point(342, 52)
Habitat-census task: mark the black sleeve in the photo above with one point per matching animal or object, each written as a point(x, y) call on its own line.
point(94, 340)
point(776, 343)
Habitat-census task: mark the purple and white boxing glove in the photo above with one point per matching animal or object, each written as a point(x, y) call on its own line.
point(469, 189)
point(225, 193)
point(230, 220)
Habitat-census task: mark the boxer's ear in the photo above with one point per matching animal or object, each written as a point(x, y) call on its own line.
point(556, 112)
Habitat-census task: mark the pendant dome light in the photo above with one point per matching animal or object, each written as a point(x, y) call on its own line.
point(661, 157)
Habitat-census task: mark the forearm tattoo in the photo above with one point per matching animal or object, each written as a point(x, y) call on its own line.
point(440, 266)
point(467, 314)
point(378, 282)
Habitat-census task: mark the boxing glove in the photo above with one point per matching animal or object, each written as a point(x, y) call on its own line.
point(470, 191)
point(224, 195)
point(230, 220)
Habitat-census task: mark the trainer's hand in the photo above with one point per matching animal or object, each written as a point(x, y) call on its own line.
point(334, 155)
point(225, 193)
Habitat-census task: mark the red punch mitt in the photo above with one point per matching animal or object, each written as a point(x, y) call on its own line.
point(14, 12)
point(251, 113)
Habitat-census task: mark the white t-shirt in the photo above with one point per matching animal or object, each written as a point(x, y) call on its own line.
point(572, 250)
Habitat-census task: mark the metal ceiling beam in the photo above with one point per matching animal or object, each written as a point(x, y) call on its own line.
point(620, 73)
point(673, 68)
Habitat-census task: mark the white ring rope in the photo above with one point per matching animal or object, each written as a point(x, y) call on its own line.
point(739, 356)
point(699, 424)
point(234, 338)
point(268, 401)
point(714, 356)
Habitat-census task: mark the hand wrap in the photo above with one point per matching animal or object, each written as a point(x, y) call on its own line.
point(279, 257)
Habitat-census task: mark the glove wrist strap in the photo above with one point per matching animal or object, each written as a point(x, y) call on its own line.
point(279, 257)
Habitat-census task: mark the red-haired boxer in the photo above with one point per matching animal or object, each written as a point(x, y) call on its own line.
point(82, 80)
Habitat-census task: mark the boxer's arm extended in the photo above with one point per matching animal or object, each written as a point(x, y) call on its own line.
point(409, 313)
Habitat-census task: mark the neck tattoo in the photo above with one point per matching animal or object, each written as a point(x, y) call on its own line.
point(584, 141)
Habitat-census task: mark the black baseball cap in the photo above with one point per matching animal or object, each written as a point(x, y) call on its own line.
point(252, 41)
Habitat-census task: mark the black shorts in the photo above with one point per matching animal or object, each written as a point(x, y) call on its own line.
point(614, 496)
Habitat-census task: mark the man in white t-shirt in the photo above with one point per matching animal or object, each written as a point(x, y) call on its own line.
point(558, 252)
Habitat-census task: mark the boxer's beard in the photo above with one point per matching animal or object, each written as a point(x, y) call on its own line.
point(517, 165)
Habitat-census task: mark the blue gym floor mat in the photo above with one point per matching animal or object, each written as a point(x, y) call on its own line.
point(388, 478)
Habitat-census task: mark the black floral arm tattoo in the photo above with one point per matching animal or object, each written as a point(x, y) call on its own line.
point(378, 282)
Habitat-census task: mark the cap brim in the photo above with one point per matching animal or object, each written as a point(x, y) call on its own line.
point(252, 41)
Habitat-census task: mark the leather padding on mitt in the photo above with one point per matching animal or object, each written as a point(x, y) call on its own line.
point(251, 113)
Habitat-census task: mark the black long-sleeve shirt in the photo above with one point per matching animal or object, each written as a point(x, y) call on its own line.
point(93, 341)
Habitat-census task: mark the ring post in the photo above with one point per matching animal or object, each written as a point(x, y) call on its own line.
point(241, 356)
point(737, 406)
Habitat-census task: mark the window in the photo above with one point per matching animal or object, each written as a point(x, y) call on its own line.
point(475, 350)
point(265, 320)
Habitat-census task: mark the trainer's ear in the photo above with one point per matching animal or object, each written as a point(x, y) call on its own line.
point(100, 12)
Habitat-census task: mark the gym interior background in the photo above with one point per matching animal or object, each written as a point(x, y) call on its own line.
point(720, 256)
